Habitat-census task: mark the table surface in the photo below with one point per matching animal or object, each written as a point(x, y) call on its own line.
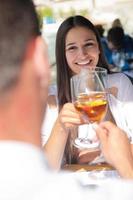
point(77, 167)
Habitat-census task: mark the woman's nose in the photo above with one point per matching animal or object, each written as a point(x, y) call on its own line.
point(82, 52)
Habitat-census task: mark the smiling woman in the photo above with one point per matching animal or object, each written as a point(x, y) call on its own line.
point(77, 42)
point(78, 45)
point(82, 51)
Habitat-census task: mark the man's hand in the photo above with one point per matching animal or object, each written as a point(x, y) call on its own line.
point(116, 148)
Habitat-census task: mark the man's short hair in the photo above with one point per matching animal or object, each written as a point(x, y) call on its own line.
point(18, 25)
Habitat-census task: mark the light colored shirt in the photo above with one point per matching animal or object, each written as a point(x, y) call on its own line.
point(24, 175)
point(121, 106)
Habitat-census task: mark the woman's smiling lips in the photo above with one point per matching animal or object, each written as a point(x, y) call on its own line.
point(84, 64)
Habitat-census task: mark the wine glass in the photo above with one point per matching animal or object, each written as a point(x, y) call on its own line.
point(90, 98)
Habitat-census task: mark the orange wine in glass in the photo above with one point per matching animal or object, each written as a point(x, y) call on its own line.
point(90, 98)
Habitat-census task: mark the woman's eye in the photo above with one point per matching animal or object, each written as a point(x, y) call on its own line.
point(72, 48)
point(89, 44)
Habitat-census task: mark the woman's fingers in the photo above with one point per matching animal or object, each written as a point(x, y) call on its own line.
point(70, 116)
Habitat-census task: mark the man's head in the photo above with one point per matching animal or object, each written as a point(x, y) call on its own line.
point(18, 24)
point(24, 73)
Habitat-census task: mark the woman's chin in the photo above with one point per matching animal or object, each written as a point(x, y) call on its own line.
point(88, 67)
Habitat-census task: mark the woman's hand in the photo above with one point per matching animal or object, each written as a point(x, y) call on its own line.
point(70, 117)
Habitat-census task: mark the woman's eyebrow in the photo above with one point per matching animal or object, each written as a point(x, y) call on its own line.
point(69, 44)
point(88, 40)
point(73, 43)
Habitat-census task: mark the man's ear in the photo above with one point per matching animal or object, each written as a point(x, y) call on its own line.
point(37, 56)
point(40, 57)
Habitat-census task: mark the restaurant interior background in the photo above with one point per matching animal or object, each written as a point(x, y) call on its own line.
point(53, 12)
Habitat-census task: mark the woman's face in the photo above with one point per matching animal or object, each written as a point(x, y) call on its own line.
point(82, 50)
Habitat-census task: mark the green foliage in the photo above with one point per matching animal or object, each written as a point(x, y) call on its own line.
point(44, 12)
point(61, 13)
point(84, 12)
point(72, 12)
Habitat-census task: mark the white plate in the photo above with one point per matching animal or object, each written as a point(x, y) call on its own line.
point(95, 178)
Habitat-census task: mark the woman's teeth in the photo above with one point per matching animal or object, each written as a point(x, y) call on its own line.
point(84, 63)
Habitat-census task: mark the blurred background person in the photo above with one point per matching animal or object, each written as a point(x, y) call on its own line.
point(106, 50)
point(117, 23)
point(121, 46)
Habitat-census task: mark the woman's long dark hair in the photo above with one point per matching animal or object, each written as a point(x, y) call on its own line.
point(64, 72)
